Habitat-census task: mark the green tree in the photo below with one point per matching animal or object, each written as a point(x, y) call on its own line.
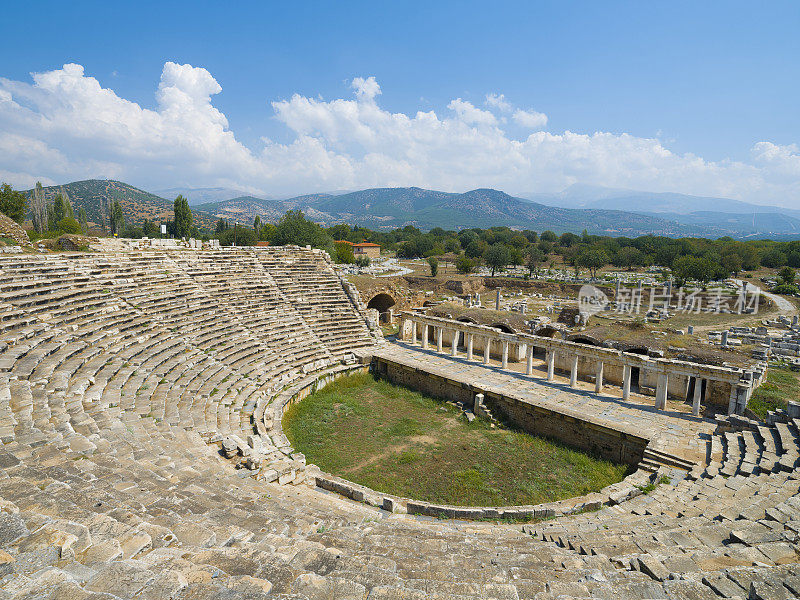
point(267, 233)
point(340, 231)
point(773, 258)
point(452, 245)
point(629, 257)
point(238, 235)
point(221, 226)
point(150, 229)
point(39, 208)
point(476, 248)
point(787, 275)
point(535, 258)
point(294, 228)
point(592, 258)
point(69, 225)
point(56, 212)
point(519, 241)
point(116, 219)
point(183, 217)
point(433, 263)
point(12, 203)
point(83, 220)
point(567, 240)
point(343, 253)
point(732, 263)
point(464, 264)
point(697, 268)
point(257, 225)
point(548, 236)
point(497, 257)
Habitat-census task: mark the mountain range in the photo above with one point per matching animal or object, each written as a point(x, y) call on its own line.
point(96, 195)
point(603, 211)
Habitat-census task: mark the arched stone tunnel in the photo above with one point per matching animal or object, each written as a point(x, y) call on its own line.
point(382, 302)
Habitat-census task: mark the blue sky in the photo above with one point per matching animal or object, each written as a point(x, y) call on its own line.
point(703, 79)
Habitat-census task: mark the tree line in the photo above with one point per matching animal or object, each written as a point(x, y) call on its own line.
point(497, 248)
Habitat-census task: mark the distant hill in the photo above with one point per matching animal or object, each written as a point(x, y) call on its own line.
point(725, 215)
point(382, 208)
point(386, 208)
point(204, 195)
point(95, 196)
point(591, 196)
point(763, 224)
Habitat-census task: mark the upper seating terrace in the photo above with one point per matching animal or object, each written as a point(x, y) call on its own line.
point(117, 370)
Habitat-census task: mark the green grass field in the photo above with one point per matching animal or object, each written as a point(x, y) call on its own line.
point(781, 385)
point(400, 442)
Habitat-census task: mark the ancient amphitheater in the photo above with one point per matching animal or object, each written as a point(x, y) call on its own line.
point(142, 454)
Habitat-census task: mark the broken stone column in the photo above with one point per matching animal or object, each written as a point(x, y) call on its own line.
point(505, 354)
point(469, 345)
point(690, 329)
point(697, 397)
point(626, 382)
point(725, 338)
point(454, 344)
point(661, 391)
point(573, 374)
point(598, 377)
point(477, 403)
point(425, 334)
point(551, 365)
point(497, 301)
point(529, 361)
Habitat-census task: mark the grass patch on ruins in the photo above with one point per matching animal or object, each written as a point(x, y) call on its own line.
point(401, 442)
point(781, 385)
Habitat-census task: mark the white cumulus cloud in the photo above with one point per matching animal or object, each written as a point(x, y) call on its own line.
point(499, 102)
point(64, 125)
point(529, 119)
point(470, 114)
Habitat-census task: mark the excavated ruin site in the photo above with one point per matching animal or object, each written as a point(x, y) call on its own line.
point(141, 398)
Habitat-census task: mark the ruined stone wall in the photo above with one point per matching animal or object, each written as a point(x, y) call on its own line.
point(585, 435)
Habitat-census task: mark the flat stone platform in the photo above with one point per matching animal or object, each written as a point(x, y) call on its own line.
point(674, 430)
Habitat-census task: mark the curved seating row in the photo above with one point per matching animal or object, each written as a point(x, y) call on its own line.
point(117, 370)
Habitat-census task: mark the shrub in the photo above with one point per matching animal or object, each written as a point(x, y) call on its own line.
point(69, 225)
point(465, 265)
point(433, 263)
point(343, 253)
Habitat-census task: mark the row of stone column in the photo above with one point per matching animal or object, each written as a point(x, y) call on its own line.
point(662, 386)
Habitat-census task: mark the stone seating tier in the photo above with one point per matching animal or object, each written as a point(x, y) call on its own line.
point(112, 483)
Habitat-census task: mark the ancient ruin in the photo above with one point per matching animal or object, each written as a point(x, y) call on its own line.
point(141, 395)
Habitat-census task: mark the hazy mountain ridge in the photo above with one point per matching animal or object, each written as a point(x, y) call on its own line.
point(95, 196)
point(398, 207)
point(588, 196)
point(383, 208)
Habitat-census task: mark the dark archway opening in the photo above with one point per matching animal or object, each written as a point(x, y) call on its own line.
point(462, 338)
point(634, 379)
point(504, 328)
point(382, 303)
point(690, 389)
point(547, 331)
point(583, 339)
